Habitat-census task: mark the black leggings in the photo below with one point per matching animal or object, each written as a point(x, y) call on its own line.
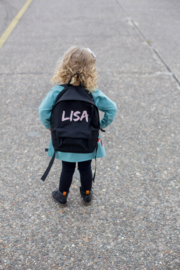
point(66, 176)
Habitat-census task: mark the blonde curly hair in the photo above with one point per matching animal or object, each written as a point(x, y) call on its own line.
point(77, 60)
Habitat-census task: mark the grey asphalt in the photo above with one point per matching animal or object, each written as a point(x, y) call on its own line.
point(134, 220)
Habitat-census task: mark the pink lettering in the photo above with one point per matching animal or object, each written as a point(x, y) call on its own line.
point(71, 116)
point(76, 115)
point(84, 115)
point(63, 117)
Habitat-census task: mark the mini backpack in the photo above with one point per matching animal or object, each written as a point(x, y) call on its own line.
point(74, 122)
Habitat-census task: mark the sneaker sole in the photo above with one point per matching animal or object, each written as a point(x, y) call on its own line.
point(60, 204)
point(85, 203)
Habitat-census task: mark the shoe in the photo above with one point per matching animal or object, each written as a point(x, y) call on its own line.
point(86, 195)
point(59, 197)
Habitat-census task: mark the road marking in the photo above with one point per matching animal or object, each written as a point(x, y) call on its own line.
point(14, 22)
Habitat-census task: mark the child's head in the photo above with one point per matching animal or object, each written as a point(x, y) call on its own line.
point(80, 60)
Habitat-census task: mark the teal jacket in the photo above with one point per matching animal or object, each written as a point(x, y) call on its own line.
point(102, 102)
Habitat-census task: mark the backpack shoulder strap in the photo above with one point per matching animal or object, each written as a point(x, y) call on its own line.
point(43, 178)
point(89, 93)
point(61, 93)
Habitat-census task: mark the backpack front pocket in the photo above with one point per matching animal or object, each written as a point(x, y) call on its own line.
point(78, 142)
point(78, 134)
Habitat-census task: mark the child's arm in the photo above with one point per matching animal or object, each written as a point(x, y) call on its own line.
point(47, 104)
point(106, 105)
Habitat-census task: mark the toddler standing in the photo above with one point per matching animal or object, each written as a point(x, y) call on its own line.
point(82, 62)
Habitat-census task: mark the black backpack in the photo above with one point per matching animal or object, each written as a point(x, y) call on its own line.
point(74, 122)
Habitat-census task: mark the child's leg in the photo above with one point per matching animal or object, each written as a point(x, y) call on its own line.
point(85, 175)
point(68, 169)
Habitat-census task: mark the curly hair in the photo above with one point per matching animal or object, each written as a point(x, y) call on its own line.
point(77, 60)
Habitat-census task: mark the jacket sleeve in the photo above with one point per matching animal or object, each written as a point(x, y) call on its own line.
point(46, 106)
point(106, 105)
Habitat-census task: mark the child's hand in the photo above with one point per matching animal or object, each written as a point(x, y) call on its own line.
point(102, 129)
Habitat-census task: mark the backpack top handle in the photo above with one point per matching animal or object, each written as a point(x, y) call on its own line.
point(81, 84)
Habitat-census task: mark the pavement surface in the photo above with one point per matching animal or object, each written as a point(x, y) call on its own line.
point(134, 220)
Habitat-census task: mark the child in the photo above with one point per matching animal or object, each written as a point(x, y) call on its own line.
point(82, 61)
